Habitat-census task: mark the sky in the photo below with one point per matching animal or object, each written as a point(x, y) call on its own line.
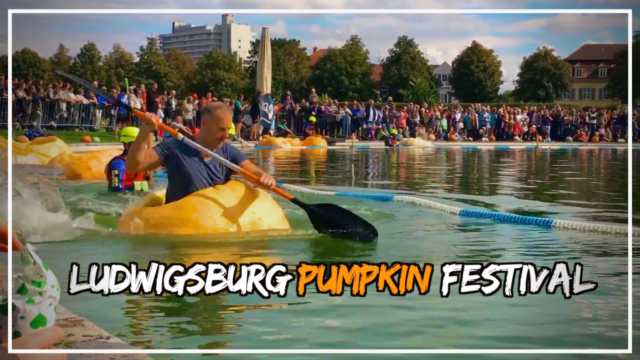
point(441, 36)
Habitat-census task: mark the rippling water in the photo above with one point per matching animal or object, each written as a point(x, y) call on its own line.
point(580, 185)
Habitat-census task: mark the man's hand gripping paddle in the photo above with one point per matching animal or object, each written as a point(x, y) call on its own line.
point(327, 219)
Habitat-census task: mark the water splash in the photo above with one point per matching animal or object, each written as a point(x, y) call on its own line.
point(39, 213)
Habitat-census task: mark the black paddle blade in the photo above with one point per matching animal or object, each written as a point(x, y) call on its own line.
point(336, 221)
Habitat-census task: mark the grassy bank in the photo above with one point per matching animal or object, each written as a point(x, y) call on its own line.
point(70, 137)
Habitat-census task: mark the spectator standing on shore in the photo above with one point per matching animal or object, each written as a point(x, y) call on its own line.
point(122, 114)
point(170, 105)
point(238, 115)
point(592, 120)
point(152, 99)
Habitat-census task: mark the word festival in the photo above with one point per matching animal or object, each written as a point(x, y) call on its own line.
point(397, 279)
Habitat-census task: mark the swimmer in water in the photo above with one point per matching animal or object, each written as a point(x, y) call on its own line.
point(118, 178)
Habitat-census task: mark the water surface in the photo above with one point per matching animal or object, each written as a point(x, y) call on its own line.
point(578, 185)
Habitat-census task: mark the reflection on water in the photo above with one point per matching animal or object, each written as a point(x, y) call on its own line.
point(573, 184)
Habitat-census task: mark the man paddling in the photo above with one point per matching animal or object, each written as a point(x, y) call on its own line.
point(188, 170)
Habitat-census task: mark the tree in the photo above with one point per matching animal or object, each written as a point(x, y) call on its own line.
point(476, 74)
point(344, 73)
point(4, 65)
point(420, 90)
point(152, 65)
point(60, 60)
point(289, 67)
point(618, 82)
point(88, 63)
point(635, 81)
point(183, 68)
point(28, 64)
point(506, 97)
point(406, 63)
point(219, 74)
point(118, 65)
point(543, 77)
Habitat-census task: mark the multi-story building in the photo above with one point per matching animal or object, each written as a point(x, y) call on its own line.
point(443, 72)
point(196, 41)
point(590, 68)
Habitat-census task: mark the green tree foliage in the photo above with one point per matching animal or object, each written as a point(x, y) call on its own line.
point(476, 74)
point(420, 90)
point(506, 97)
point(4, 65)
point(406, 63)
point(118, 65)
point(88, 63)
point(618, 82)
point(60, 60)
point(289, 69)
point(635, 82)
point(219, 74)
point(543, 77)
point(152, 65)
point(28, 64)
point(183, 68)
point(345, 73)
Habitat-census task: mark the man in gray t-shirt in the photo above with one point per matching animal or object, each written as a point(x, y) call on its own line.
point(188, 170)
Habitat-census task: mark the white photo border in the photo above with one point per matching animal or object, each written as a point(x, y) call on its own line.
point(629, 350)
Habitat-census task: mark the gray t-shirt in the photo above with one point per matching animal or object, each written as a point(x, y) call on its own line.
point(188, 172)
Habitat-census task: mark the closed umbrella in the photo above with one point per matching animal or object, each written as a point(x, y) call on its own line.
point(263, 81)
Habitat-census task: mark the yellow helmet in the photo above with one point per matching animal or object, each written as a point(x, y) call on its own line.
point(129, 134)
point(394, 132)
point(312, 119)
point(232, 130)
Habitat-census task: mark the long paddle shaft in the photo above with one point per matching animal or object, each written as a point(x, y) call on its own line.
point(325, 218)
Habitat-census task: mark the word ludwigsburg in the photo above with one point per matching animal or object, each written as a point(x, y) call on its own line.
point(398, 279)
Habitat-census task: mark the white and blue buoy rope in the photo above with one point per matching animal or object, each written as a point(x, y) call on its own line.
point(474, 213)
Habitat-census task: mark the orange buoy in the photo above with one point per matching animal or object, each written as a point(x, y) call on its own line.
point(22, 139)
point(492, 138)
point(86, 139)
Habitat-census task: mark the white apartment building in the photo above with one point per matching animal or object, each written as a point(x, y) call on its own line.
point(196, 41)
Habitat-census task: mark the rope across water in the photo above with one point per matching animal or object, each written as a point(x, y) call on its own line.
point(474, 213)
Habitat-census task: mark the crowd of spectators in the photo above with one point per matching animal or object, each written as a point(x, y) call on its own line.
point(61, 106)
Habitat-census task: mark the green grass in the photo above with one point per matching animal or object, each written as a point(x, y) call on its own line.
point(70, 137)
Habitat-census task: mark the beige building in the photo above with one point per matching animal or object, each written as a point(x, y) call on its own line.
point(591, 66)
point(196, 41)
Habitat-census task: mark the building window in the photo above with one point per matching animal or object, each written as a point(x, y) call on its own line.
point(444, 77)
point(602, 72)
point(444, 98)
point(577, 72)
point(586, 94)
point(566, 95)
point(605, 94)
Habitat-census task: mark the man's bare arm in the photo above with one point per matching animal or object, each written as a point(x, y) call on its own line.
point(141, 156)
point(250, 167)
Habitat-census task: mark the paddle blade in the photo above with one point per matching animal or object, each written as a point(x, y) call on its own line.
point(336, 221)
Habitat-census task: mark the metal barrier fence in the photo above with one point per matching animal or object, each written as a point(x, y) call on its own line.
point(57, 115)
point(51, 115)
point(326, 125)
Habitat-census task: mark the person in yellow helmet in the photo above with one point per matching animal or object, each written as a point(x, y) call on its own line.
point(118, 178)
point(392, 139)
point(310, 129)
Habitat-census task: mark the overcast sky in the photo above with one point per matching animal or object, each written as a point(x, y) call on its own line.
point(440, 36)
